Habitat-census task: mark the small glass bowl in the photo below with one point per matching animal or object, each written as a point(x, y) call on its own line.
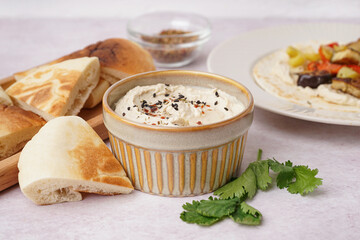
point(174, 39)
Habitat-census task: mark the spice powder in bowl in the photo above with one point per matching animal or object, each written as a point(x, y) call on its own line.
point(177, 105)
point(169, 52)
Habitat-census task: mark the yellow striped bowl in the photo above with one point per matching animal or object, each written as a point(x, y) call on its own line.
point(178, 161)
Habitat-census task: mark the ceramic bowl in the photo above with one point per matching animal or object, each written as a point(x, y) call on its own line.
point(178, 161)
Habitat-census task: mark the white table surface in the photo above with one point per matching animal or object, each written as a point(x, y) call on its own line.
point(331, 212)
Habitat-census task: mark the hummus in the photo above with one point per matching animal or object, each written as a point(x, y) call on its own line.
point(177, 105)
point(275, 76)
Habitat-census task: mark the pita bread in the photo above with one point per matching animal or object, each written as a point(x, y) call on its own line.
point(57, 90)
point(119, 58)
point(65, 158)
point(4, 98)
point(97, 94)
point(17, 127)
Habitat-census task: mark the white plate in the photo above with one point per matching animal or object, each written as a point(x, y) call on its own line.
point(235, 58)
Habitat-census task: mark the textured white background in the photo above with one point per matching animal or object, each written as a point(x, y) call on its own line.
point(30, 36)
point(330, 9)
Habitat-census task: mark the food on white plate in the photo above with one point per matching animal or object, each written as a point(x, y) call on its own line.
point(17, 127)
point(67, 157)
point(348, 85)
point(315, 74)
point(119, 58)
point(4, 98)
point(57, 90)
point(177, 105)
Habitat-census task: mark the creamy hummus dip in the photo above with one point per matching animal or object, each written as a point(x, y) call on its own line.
point(275, 76)
point(177, 105)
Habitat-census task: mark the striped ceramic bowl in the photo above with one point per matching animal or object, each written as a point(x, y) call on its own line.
point(178, 161)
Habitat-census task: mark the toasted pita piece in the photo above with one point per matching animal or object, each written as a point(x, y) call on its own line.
point(67, 157)
point(4, 98)
point(57, 90)
point(347, 85)
point(97, 94)
point(119, 58)
point(16, 129)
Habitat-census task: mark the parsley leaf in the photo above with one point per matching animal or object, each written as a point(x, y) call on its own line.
point(217, 207)
point(305, 180)
point(246, 183)
point(245, 214)
point(191, 215)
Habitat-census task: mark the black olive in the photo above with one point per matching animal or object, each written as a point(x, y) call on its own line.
point(314, 79)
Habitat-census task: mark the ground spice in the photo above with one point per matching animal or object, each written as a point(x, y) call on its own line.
point(169, 53)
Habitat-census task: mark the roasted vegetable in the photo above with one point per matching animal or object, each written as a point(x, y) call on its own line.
point(324, 66)
point(347, 85)
point(297, 60)
point(326, 52)
point(348, 56)
point(292, 52)
point(355, 45)
point(314, 79)
point(346, 72)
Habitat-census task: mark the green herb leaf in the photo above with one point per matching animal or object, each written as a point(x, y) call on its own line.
point(298, 179)
point(261, 170)
point(245, 214)
point(246, 183)
point(286, 172)
point(217, 207)
point(191, 215)
point(305, 180)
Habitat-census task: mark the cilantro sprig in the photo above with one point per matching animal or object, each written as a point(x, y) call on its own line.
point(231, 202)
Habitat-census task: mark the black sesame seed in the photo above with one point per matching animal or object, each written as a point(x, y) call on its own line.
point(216, 94)
point(166, 84)
point(166, 94)
point(175, 106)
point(216, 103)
point(198, 101)
point(176, 100)
point(154, 95)
point(134, 106)
point(128, 108)
point(181, 96)
point(226, 109)
point(123, 114)
point(192, 102)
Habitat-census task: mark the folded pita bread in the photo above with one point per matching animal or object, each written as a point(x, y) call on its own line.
point(57, 90)
point(4, 98)
point(17, 127)
point(97, 94)
point(65, 158)
point(119, 58)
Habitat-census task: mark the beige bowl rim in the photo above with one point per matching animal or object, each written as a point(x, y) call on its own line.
point(107, 109)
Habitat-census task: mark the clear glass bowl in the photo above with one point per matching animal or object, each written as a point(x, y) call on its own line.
point(174, 39)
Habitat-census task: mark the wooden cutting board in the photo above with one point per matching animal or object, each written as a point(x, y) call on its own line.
point(8, 166)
